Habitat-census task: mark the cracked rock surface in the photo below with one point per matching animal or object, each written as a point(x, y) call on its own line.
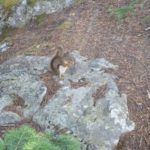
point(88, 103)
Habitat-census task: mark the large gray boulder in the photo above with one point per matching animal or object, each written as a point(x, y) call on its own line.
point(88, 103)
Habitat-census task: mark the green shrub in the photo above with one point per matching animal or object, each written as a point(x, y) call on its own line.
point(40, 144)
point(2, 145)
point(15, 139)
point(67, 143)
point(8, 4)
point(26, 138)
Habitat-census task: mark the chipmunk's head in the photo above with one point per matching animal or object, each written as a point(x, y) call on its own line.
point(67, 62)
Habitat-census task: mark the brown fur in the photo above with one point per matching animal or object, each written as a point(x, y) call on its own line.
point(60, 59)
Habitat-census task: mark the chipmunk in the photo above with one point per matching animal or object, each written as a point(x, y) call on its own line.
point(61, 62)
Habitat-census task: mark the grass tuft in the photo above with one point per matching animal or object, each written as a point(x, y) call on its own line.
point(77, 2)
point(31, 2)
point(40, 18)
point(65, 25)
point(121, 12)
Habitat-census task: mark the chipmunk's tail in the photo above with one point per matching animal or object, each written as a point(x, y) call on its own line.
point(59, 51)
point(56, 58)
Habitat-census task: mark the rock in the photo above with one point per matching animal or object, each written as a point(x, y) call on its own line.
point(3, 16)
point(21, 76)
point(88, 104)
point(22, 13)
point(9, 117)
point(4, 46)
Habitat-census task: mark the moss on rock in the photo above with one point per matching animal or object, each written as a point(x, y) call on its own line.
point(8, 4)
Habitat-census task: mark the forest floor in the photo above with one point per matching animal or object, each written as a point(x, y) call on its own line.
point(89, 28)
